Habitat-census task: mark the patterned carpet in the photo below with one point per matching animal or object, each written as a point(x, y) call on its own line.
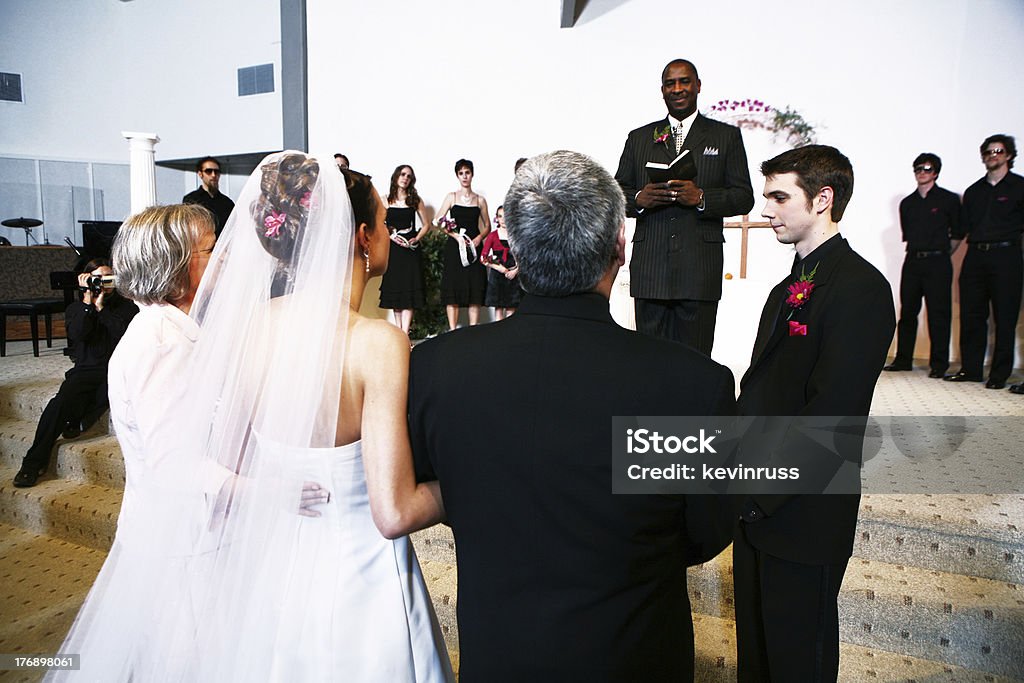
point(934, 592)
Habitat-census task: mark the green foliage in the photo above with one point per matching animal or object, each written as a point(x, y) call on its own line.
point(431, 319)
point(797, 130)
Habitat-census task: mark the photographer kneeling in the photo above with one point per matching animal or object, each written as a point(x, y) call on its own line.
point(94, 327)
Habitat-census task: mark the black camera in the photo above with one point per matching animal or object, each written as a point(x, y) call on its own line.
point(98, 284)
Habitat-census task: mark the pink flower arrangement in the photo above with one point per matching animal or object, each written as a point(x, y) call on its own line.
point(753, 106)
point(304, 201)
point(754, 114)
point(447, 224)
point(273, 224)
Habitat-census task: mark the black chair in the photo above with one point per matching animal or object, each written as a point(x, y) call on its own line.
point(33, 308)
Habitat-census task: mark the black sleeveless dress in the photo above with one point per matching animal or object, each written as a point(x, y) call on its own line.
point(463, 286)
point(402, 286)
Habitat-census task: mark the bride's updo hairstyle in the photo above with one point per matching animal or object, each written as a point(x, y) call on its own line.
point(282, 208)
point(286, 189)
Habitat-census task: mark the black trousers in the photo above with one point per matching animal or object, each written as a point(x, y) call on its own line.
point(82, 397)
point(990, 278)
point(684, 320)
point(930, 277)
point(787, 616)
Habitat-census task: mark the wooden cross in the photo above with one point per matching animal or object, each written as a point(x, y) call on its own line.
point(745, 224)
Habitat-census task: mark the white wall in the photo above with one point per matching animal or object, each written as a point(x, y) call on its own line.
point(93, 69)
point(427, 83)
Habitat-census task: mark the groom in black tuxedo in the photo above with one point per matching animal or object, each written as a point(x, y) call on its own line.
point(559, 579)
point(675, 272)
point(821, 344)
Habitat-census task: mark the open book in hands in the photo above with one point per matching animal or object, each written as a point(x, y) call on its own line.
point(682, 167)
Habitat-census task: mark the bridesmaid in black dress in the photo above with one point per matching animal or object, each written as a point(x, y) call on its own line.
point(503, 291)
point(463, 217)
point(402, 287)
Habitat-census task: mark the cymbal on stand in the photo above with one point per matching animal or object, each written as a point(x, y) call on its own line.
point(22, 223)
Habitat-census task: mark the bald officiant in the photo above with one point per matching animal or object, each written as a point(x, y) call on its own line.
point(675, 274)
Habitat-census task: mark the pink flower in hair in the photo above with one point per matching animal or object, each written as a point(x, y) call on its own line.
point(304, 201)
point(273, 224)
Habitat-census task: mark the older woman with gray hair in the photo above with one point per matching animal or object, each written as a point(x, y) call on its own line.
point(159, 256)
point(122, 631)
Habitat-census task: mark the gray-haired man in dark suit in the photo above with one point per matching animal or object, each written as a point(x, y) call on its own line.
point(559, 579)
point(676, 268)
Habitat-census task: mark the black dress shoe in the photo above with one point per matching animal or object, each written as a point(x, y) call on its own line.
point(995, 384)
point(1017, 388)
point(27, 476)
point(962, 377)
point(72, 430)
point(893, 367)
point(936, 374)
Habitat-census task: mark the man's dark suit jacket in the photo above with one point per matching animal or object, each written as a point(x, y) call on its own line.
point(559, 579)
point(677, 251)
point(829, 372)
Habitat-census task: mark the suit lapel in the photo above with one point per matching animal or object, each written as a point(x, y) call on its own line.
point(771, 331)
point(696, 140)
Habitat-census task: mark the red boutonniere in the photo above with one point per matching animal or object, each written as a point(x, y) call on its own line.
point(800, 293)
point(663, 134)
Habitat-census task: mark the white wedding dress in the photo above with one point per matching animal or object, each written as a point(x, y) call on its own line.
point(346, 603)
point(215, 575)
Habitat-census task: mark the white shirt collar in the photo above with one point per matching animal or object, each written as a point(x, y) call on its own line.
point(686, 123)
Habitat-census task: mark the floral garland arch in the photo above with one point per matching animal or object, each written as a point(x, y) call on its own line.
point(757, 115)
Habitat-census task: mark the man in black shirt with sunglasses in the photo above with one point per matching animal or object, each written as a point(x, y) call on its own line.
point(928, 216)
point(209, 195)
point(992, 219)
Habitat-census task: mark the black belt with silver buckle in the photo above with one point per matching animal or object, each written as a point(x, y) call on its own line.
point(927, 254)
point(987, 246)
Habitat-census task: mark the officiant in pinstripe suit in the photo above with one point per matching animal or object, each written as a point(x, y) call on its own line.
point(676, 269)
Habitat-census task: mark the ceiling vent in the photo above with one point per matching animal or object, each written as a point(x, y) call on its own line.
point(254, 80)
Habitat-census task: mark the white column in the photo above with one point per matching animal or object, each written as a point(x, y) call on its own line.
point(142, 167)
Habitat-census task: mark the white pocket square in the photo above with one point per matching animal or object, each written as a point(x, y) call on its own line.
point(711, 151)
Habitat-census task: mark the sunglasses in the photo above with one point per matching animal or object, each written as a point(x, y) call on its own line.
point(993, 152)
point(211, 171)
point(924, 169)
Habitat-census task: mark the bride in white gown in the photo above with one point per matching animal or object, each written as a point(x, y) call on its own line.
point(290, 385)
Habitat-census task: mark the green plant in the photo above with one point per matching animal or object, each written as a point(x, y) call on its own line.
point(796, 128)
point(431, 320)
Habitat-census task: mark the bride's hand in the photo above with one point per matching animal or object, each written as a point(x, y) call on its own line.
point(312, 494)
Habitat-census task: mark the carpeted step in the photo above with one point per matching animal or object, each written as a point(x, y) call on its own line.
point(435, 543)
point(85, 514)
point(441, 580)
point(941, 616)
point(43, 582)
point(715, 646)
point(27, 384)
point(94, 457)
point(976, 535)
point(975, 622)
